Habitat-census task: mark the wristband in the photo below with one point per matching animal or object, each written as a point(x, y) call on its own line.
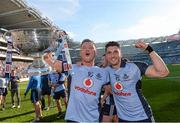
point(149, 49)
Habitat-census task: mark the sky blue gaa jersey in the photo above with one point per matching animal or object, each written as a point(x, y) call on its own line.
point(54, 77)
point(85, 91)
point(126, 86)
point(34, 83)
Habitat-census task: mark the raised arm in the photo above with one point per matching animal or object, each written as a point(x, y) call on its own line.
point(55, 64)
point(158, 68)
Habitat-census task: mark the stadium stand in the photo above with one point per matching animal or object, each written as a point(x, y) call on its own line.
point(168, 50)
point(168, 47)
point(15, 14)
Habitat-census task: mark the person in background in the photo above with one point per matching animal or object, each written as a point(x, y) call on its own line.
point(35, 86)
point(46, 90)
point(125, 79)
point(3, 89)
point(58, 88)
point(14, 88)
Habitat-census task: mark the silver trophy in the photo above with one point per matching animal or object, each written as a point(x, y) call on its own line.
point(34, 42)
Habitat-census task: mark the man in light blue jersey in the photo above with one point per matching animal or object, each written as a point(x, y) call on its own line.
point(86, 83)
point(125, 79)
point(3, 89)
point(58, 88)
point(35, 86)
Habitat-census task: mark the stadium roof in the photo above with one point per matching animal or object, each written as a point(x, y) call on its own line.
point(16, 14)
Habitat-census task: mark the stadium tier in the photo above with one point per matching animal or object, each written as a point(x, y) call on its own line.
point(169, 51)
point(166, 47)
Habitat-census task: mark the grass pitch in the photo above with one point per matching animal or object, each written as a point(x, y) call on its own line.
point(26, 112)
point(163, 95)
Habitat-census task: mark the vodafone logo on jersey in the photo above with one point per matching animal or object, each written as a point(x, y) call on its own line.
point(88, 82)
point(118, 86)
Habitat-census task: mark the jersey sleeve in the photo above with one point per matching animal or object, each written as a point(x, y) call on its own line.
point(29, 84)
point(142, 67)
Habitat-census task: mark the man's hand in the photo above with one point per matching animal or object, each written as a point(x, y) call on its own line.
point(55, 64)
point(107, 92)
point(141, 44)
point(48, 58)
point(102, 101)
point(108, 89)
point(53, 87)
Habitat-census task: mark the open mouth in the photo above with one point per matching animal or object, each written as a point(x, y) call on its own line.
point(87, 54)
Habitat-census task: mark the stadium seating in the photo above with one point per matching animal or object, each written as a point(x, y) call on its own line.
point(168, 50)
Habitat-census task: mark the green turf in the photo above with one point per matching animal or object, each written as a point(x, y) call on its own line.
point(26, 112)
point(162, 94)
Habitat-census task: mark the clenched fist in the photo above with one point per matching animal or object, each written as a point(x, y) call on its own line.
point(141, 44)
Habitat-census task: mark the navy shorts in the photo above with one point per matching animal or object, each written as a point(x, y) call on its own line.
point(3, 91)
point(59, 94)
point(109, 110)
point(46, 91)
